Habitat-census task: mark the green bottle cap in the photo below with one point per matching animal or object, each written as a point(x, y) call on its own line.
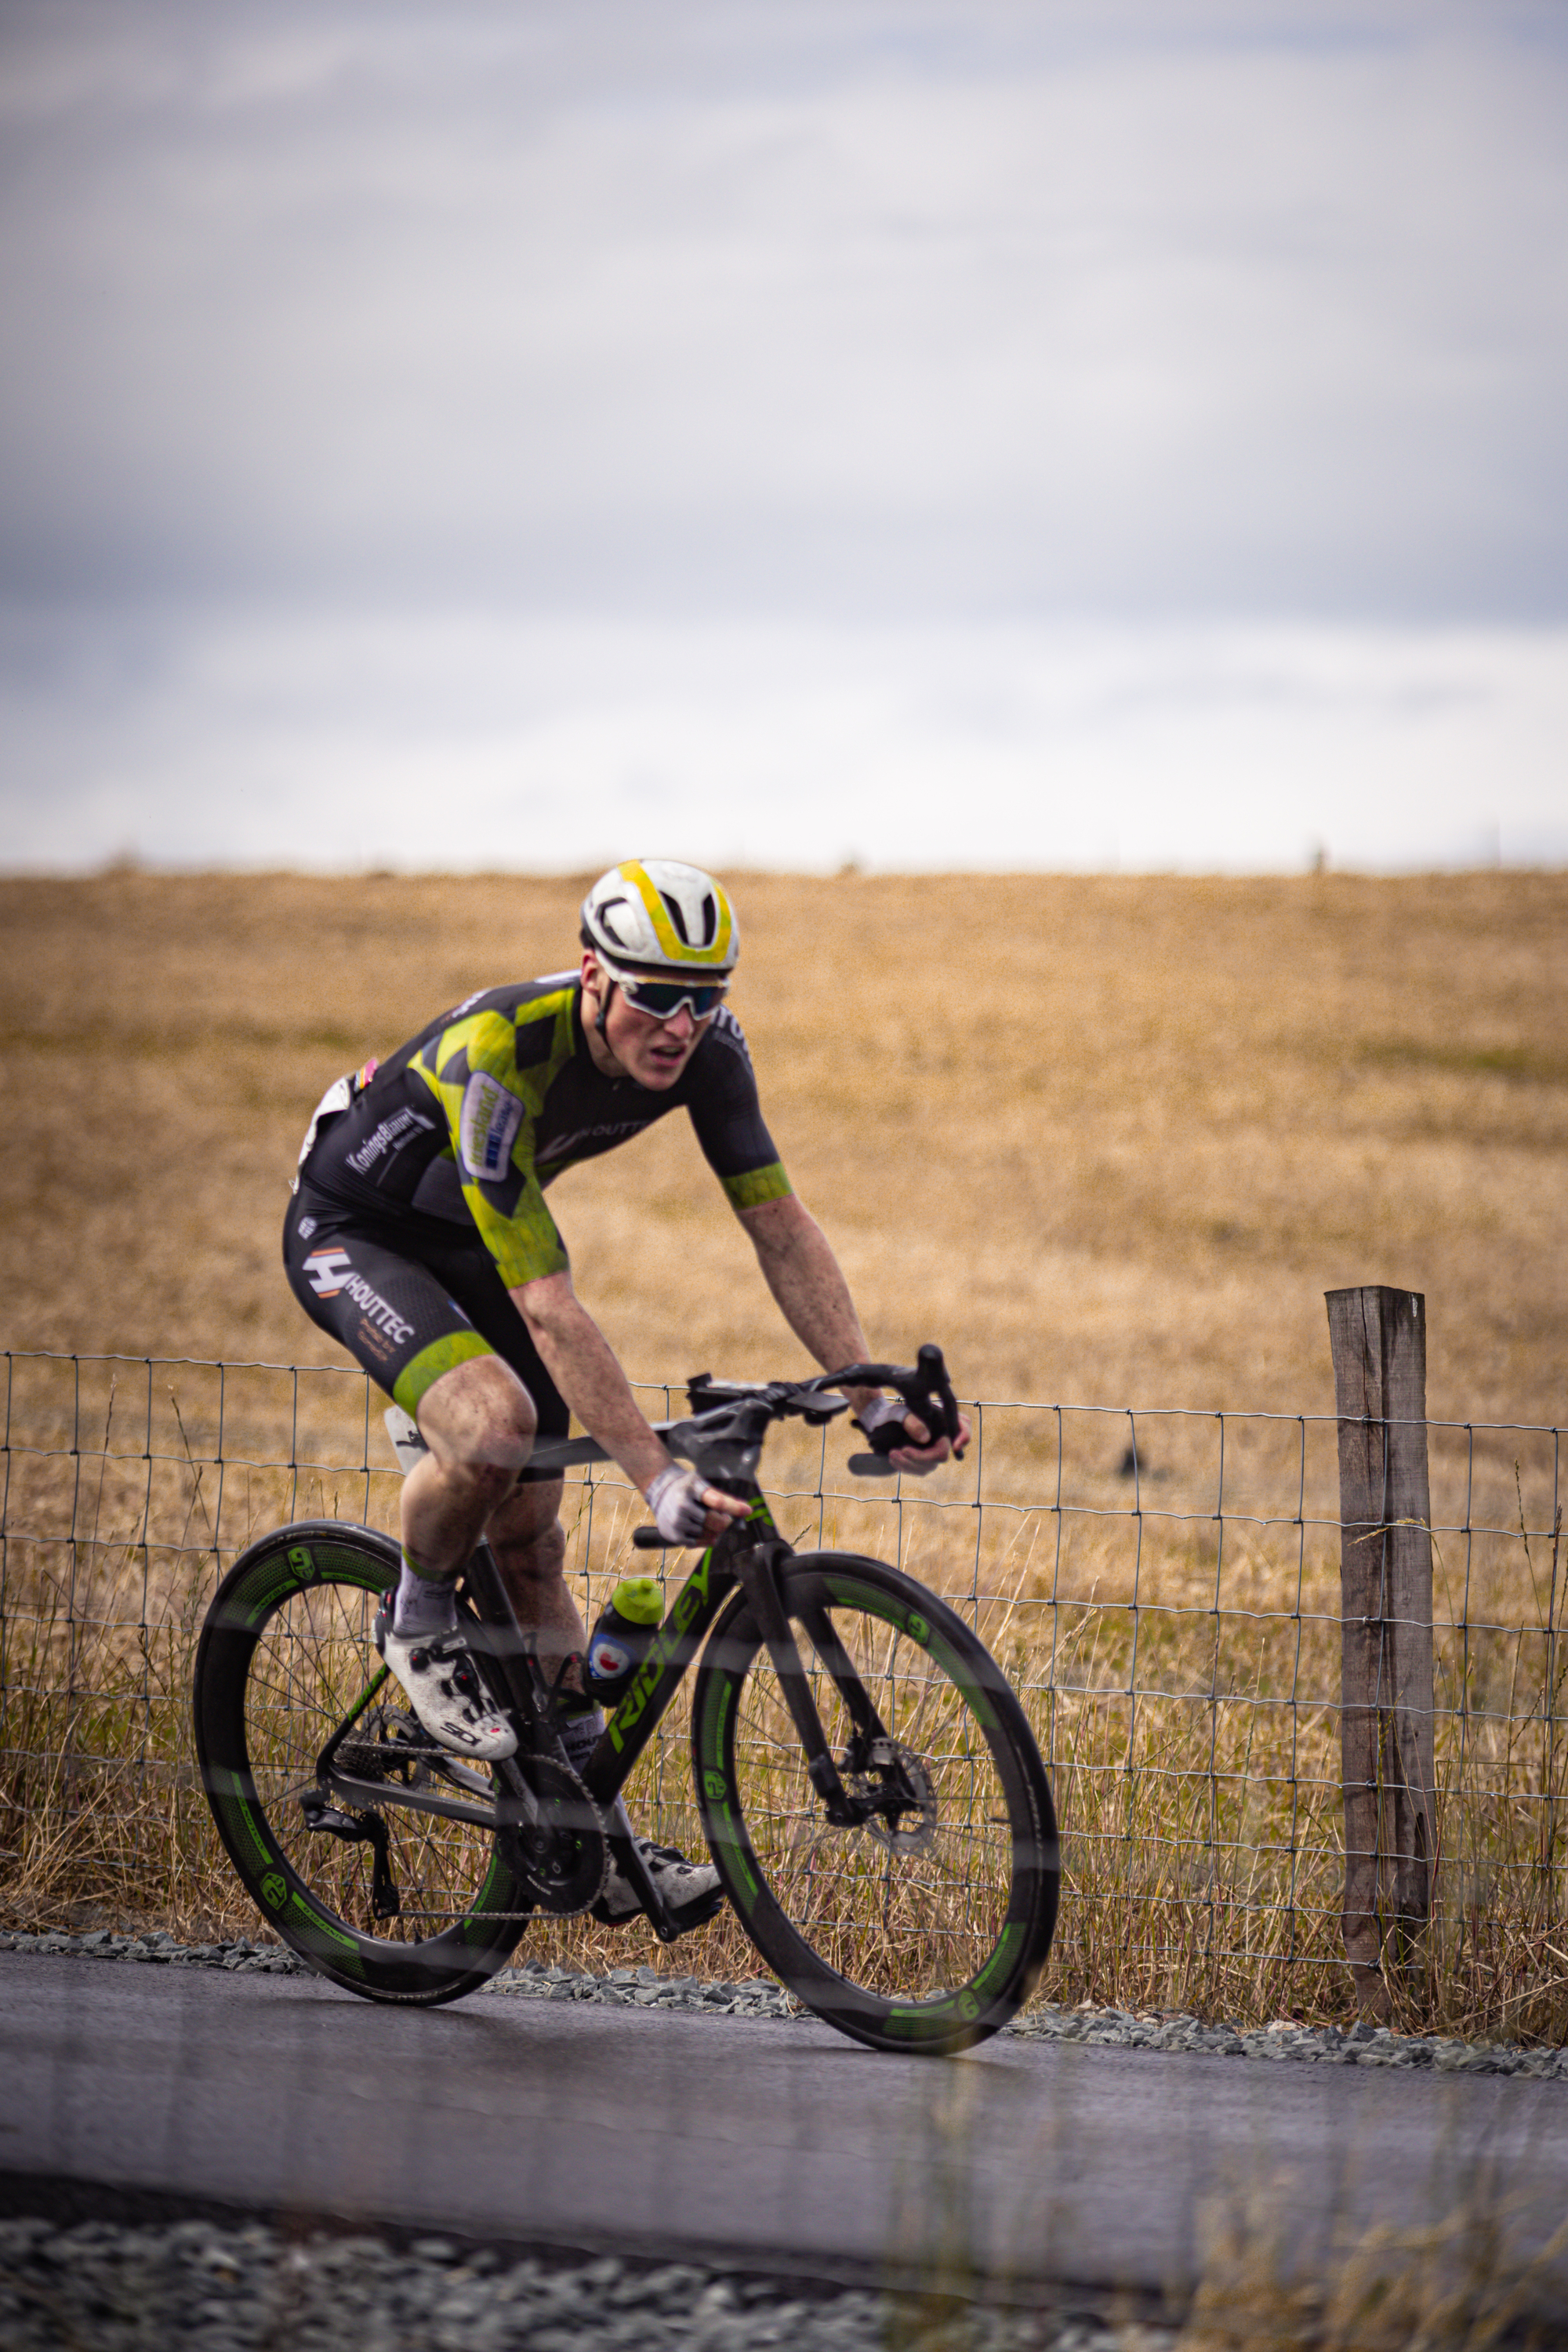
point(639, 1600)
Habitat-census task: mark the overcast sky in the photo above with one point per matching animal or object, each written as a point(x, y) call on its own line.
point(1037, 433)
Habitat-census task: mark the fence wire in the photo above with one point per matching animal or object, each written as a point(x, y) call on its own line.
point(1161, 1586)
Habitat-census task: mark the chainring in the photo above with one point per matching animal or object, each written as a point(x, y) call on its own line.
point(563, 1859)
point(891, 1769)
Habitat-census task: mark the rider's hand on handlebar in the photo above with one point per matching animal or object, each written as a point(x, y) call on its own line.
point(687, 1510)
point(874, 1411)
point(920, 1455)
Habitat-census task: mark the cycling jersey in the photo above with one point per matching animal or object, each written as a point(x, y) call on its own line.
point(456, 1137)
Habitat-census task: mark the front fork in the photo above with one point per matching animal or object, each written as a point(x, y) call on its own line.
point(757, 1570)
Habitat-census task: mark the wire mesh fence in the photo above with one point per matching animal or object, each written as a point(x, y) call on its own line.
point(1161, 1586)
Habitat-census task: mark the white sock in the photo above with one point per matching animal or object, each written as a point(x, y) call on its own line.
point(580, 1735)
point(426, 1606)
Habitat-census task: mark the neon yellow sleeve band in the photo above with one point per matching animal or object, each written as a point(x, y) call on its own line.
point(757, 1185)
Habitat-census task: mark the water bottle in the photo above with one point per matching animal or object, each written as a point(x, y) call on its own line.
point(620, 1641)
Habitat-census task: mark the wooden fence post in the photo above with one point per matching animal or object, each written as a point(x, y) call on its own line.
point(1379, 1341)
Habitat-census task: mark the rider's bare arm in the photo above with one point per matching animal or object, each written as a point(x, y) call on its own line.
point(808, 1281)
point(578, 1359)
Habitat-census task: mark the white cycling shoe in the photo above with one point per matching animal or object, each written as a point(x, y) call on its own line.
point(446, 1695)
point(690, 1890)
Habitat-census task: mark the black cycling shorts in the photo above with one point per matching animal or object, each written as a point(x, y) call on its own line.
point(410, 1305)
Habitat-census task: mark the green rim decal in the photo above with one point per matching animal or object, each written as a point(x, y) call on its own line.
point(983, 1711)
point(252, 1829)
point(713, 1729)
point(999, 1966)
point(265, 1585)
point(866, 1597)
point(315, 1926)
point(911, 1622)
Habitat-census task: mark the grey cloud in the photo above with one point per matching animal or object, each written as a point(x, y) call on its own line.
point(874, 308)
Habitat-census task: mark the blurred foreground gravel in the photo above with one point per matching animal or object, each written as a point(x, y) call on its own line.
point(100, 2287)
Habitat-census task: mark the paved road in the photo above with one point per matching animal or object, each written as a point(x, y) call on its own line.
point(777, 2144)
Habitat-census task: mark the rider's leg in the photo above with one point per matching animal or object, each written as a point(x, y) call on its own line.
point(530, 1545)
point(477, 1421)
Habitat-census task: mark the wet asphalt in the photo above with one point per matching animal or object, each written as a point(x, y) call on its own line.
point(771, 2144)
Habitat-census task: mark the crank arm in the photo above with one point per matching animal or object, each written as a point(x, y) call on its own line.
point(756, 1571)
point(630, 1862)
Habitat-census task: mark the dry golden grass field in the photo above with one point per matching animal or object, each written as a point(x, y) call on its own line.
point(1109, 1139)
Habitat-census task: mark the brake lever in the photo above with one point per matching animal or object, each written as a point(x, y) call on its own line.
point(925, 1391)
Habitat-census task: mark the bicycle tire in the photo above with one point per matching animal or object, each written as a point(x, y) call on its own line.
point(284, 1652)
point(927, 1933)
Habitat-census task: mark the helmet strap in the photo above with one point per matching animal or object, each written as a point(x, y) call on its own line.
point(604, 1012)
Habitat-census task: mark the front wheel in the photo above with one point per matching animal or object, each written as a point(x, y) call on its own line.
point(393, 1902)
point(925, 1926)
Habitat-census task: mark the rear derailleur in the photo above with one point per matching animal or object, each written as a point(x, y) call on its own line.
point(357, 1829)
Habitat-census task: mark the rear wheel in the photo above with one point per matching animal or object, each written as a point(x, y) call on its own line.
point(392, 1903)
point(924, 1928)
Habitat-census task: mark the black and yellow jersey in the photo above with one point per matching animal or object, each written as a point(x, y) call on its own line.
point(472, 1120)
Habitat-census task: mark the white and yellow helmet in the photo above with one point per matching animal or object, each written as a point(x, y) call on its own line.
point(652, 915)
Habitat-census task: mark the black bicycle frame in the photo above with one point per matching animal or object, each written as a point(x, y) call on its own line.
point(748, 1556)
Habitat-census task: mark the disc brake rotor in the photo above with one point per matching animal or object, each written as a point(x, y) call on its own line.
point(894, 1779)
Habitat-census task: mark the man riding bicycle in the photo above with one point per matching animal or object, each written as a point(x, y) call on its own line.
point(419, 1238)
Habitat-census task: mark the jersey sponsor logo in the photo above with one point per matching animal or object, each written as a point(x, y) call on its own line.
point(377, 1311)
point(305, 1228)
point(327, 1271)
point(487, 1126)
point(567, 1143)
point(727, 1030)
point(330, 1272)
point(390, 1136)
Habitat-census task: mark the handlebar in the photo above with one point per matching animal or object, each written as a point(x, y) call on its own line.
point(723, 1435)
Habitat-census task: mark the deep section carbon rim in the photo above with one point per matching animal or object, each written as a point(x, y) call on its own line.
point(925, 1926)
point(286, 1655)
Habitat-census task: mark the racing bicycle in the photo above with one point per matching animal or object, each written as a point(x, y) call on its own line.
point(864, 1777)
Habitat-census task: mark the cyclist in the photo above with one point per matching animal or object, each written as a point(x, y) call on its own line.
point(418, 1236)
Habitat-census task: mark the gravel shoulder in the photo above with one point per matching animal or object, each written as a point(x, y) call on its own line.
point(99, 2286)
